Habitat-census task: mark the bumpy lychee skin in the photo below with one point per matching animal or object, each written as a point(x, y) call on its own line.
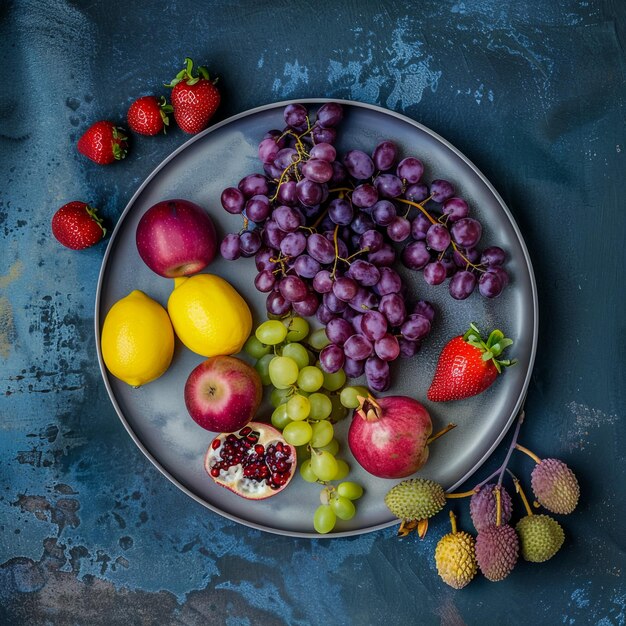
point(415, 499)
point(483, 507)
point(497, 549)
point(455, 557)
point(541, 537)
point(555, 486)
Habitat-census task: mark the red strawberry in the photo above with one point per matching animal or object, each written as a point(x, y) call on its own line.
point(467, 365)
point(194, 98)
point(148, 115)
point(103, 142)
point(77, 226)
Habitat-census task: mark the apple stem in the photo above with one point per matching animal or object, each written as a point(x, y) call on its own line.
point(442, 432)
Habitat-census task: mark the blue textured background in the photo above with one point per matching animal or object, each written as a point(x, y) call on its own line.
point(533, 92)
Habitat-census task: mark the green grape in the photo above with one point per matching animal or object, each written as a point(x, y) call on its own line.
point(324, 519)
point(310, 378)
point(332, 447)
point(297, 433)
point(343, 469)
point(321, 406)
point(279, 396)
point(318, 339)
point(255, 348)
point(271, 332)
point(306, 472)
point(338, 411)
point(350, 490)
point(343, 507)
point(324, 464)
point(349, 395)
point(323, 432)
point(298, 328)
point(283, 371)
point(298, 353)
point(335, 381)
point(280, 419)
point(262, 367)
point(298, 407)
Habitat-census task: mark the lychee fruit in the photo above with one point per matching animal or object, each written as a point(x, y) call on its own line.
point(555, 486)
point(541, 537)
point(483, 506)
point(497, 549)
point(415, 499)
point(455, 557)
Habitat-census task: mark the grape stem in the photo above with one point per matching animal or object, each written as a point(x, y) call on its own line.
point(335, 242)
point(419, 206)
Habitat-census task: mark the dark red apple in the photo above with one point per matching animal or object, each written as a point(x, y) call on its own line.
point(176, 238)
point(223, 393)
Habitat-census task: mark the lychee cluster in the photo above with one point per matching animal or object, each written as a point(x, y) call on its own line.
point(498, 544)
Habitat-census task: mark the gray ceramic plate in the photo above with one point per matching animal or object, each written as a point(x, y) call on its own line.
point(155, 415)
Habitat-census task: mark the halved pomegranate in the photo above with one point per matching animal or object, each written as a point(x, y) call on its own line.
point(254, 462)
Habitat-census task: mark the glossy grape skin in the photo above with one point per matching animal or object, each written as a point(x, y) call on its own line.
point(438, 237)
point(253, 184)
point(417, 192)
point(365, 195)
point(377, 374)
point(426, 309)
point(374, 325)
point(359, 165)
point(320, 249)
point(339, 330)
point(420, 226)
point(393, 307)
point(353, 369)
point(340, 211)
point(268, 149)
point(358, 347)
point(258, 208)
point(287, 193)
point(384, 155)
point(322, 282)
point(399, 229)
point(502, 275)
point(493, 256)
point(334, 303)
point(319, 134)
point(365, 273)
point(466, 232)
point(277, 305)
point(441, 190)
point(233, 200)
point(324, 151)
point(332, 358)
point(462, 285)
point(384, 257)
point(435, 273)
point(384, 212)
point(415, 328)
point(390, 282)
point(362, 223)
point(490, 285)
point(410, 169)
point(408, 348)
point(388, 186)
point(265, 281)
point(330, 114)
point(293, 244)
point(317, 170)
point(455, 209)
point(249, 243)
point(285, 158)
point(309, 193)
point(345, 288)
point(307, 306)
point(372, 240)
point(296, 116)
point(324, 519)
point(272, 234)
point(324, 314)
point(387, 348)
point(415, 255)
point(306, 266)
point(229, 248)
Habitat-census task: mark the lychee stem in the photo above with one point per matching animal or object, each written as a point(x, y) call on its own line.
point(498, 505)
point(519, 490)
point(532, 455)
point(453, 522)
point(522, 415)
point(464, 494)
point(442, 432)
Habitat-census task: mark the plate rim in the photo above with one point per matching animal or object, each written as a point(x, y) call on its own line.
point(229, 120)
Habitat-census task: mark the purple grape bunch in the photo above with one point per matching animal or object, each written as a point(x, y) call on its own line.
point(326, 233)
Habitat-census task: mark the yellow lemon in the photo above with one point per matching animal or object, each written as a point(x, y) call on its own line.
point(209, 316)
point(137, 339)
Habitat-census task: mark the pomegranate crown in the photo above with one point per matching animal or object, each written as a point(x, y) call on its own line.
point(492, 348)
point(368, 408)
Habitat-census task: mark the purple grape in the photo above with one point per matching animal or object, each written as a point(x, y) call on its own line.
point(418, 192)
point(296, 116)
point(233, 200)
point(358, 164)
point(392, 306)
point(357, 323)
point(384, 212)
point(332, 358)
point(317, 170)
point(361, 223)
point(490, 285)
point(340, 211)
point(293, 245)
point(342, 248)
point(493, 256)
point(415, 255)
point(339, 330)
point(285, 158)
point(352, 368)
point(410, 169)
point(438, 237)
point(461, 258)
point(319, 134)
point(306, 266)
point(339, 173)
point(501, 273)
point(358, 347)
point(435, 273)
point(384, 257)
point(308, 306)
point(455, 209)
point(408, 348)
point(377, 374)
point(399, 229)
point(277, 136)
point(441, 190)
point(364, 272)
point(322, 282)
point(272, 234)
point(229, 248)
point(426, 309)
point(334, 303)
point(384, 155)
point(268, 149)
point(293, 289)
point(420, 226)
point(277, 305)
point(309, 212)
point(462, 284)
point(466, 232)
point(258, 208)
point(271, 171)
point(349, 314)
point(374, 325)
point(249, 243)
point(388, 186)
point(287, 193)
point(329, 114)
point(387, 348)
point(324, 314)
point(324, 151)
point(450, 265)
point(265, 281)
point(309, 193)
point(345, 288)
point(262, 259)
point(365, 195)
point(390, 282)
point(364, 301)
point(253, 185)
point(415, 327)
point(372, 240)
point(320, 249)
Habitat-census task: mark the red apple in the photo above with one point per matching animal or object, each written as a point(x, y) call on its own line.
point(176, 238)
point(223, 393)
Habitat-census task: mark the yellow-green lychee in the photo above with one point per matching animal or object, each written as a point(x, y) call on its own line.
point(455, 557)
point(541, 537)
point(415, 499)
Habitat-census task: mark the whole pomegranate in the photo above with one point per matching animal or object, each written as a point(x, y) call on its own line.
point(389, 437)
point(254, 462)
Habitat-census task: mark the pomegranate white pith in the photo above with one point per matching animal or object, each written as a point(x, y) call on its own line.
point(254, 462)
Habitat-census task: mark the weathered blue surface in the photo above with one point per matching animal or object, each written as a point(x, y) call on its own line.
point(533, 92)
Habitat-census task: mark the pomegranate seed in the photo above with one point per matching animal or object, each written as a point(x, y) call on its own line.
point(259, 449)
point(245, 431)
point(231, 438)
point(252, 438)
point(215, 472)
point(279, 446)
point(281, 465)
point(216, 444)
